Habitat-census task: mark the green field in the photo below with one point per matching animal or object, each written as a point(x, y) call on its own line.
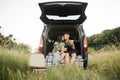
point(103, 65)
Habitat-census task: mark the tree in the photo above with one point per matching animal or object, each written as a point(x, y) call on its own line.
point(107, 37)
point(9, 43)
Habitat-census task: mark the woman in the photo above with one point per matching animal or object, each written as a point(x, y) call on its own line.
point(58, 50)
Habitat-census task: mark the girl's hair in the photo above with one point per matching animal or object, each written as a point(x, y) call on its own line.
point(59, 39)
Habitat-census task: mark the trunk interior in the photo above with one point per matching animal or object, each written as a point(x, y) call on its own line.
point(55, 30)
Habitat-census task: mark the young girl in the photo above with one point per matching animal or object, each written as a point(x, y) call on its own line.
point(58, 50)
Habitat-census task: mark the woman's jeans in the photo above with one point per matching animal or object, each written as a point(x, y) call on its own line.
point(56, 57)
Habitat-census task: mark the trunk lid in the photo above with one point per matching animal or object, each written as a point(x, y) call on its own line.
point(63, 9)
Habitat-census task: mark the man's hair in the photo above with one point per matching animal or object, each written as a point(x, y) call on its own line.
point(67, 33)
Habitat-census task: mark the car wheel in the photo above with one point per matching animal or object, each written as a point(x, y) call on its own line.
point(85, 63)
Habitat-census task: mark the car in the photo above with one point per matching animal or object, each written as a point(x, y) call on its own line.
point(60, 17)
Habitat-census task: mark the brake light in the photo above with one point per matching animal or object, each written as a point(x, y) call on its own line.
point(41, 45)
point(85, 45)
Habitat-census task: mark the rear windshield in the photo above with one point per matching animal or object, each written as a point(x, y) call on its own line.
point(70, 17)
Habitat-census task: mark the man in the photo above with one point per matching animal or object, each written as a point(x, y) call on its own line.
point(69, 49)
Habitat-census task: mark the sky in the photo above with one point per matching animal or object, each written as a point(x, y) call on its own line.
point(22, 18)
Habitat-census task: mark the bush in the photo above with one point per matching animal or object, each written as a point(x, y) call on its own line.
point(9, 43)
point(107, 37)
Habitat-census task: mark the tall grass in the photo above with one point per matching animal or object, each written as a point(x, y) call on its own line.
point(69, 72)
point(106, 63)
point(103, 65)
point(12, 64)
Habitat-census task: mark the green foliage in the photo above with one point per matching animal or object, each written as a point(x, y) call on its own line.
point(21, 47)
point(102, 66)
point(12, 64)
point(69, 72)
point(106, 63)
point(9, 43)
point(107, 37)
point(90, 50)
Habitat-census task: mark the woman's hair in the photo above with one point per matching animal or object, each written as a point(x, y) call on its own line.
point(59, 39)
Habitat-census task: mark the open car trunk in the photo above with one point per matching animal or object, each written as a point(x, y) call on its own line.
point(63, 9)
point(55, 30)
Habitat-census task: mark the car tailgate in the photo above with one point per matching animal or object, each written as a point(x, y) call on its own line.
point(63, 9)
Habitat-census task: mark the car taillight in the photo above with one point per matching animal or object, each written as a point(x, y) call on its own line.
point(41, 45)
point(85, 45)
